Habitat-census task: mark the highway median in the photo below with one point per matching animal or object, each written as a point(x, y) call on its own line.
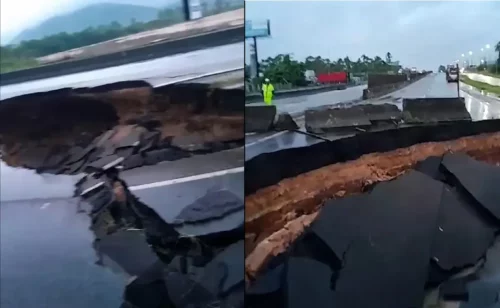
point(231, 34)
point(256, 97)
point(484, 88)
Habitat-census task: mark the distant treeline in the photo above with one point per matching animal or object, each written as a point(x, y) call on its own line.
point(284, 69)
point(14, 57)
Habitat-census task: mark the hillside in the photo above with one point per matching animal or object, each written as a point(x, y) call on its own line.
point(89, 16)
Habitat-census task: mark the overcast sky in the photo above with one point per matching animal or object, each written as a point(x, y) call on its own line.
point(17, 15)
point(421, 34)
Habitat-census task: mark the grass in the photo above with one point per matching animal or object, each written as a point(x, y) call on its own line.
point(481, 85)
point(11, 64)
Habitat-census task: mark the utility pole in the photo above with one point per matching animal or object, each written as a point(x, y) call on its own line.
point(186, 10)
point(256, 55)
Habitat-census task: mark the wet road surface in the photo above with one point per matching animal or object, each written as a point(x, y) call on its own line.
point(479, 106)
point(46, 254)
point(298, 104)
point(157, 71)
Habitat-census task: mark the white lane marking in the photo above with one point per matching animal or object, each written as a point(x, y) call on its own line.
point(220, 72)
point(188, 179)
point(265, 138)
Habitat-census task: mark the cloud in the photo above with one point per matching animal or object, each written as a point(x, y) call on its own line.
point(17, 15)
point(421, 34)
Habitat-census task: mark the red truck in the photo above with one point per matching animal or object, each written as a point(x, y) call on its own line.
point(334, 77)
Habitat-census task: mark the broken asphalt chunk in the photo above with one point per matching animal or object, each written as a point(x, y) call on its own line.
point(388, 261)
point(335, 224)
point(225, 272)
point(462, 236)
point(456, 289)
point(150, 141)
point(148, 290)
point(213, 205)
point(431, 167)
point(127, 250)
point(481, 180)
point(124, 151)
point(156, 156)
point(133, 161)
point(308, 284)
point(285, 122)
point(104, 163)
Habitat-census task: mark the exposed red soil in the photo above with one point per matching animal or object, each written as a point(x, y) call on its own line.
point(277, 215)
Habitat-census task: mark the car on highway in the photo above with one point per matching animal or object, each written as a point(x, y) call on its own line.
point(452, 74)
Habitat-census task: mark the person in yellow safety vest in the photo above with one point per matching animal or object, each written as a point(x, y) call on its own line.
point(267, 92)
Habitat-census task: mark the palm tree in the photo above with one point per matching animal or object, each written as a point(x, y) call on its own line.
point(388, 57)
point(497, 49)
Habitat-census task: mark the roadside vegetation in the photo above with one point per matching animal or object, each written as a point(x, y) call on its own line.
point(23, 55)
point(284, 70)
point(481, 85)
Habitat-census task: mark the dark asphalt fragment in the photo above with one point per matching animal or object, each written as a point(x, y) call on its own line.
point(463, 234)
point(308, 284)
point(156, 156)
point(215, 204)
point(431, 166)
point(456, 289)
point(479, 179)
point(131, 237)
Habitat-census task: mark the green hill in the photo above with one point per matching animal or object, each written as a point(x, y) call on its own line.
point(89, 16)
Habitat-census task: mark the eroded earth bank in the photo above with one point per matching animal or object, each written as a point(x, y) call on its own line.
point(376, 220)
point(194, 258)
point(64, 130)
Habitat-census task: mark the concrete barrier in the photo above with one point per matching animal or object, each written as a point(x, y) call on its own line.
point(434, 110)
point(259, 119)
point(377, 80)
point(257, 97)
point(323, 120)
point(169, 48)
point(378, 91)
point(329, 119)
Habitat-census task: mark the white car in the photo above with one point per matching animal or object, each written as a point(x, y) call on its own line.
point(452, 74)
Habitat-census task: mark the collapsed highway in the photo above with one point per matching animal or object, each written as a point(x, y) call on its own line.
point(361, 202)
point(108, 174)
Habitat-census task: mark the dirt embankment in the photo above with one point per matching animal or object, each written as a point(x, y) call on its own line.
point(37, 126)
point(277, 215)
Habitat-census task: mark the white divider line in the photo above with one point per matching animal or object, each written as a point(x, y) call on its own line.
point(200, 76)
point(265, 138)
point(188, 179)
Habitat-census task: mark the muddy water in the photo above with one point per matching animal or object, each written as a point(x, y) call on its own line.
point(25, 184)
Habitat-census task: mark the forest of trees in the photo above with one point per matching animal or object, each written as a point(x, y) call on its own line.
point(23, 55)
point(284, 69)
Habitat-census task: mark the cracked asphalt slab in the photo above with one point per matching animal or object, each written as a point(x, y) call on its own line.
point(54, 244)
point(456, 235)
point(166, 188)
point(479, 106)
point(390, 239)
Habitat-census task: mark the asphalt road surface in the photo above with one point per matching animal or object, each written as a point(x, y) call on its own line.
point(46, 253)
point(298, 104)
point(157, 72)
point(479, 106)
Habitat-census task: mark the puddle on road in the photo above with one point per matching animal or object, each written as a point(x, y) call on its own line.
point(24, 184)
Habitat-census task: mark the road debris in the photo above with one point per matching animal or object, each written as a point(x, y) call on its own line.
point(70, 131)
point(397, 221)
point(131, 238)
